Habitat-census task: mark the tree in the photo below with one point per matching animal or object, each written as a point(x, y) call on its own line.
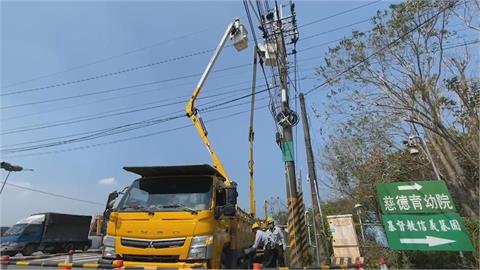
point(423, 79)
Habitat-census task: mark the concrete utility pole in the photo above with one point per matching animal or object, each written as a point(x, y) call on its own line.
point(296, 222)
point(320, 242)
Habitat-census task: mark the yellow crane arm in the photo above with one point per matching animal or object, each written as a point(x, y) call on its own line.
point(192, 112)
point(251, 135)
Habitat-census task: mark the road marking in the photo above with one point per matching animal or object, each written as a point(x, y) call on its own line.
point(415, 186)
point(430, 240)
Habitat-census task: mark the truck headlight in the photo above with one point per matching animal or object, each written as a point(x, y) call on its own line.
point(201, 247)
point(109, 247)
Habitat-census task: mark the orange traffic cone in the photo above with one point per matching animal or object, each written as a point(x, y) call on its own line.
point(5, 260)
point(118, 264)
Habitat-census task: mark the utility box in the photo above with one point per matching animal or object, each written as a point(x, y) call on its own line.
point(269, 53)
point(344, 237)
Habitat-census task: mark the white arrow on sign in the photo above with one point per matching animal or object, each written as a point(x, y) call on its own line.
point(430, 240)
point(415, 186)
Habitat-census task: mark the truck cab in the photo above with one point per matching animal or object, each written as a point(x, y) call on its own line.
point(23, 237)
point(177, 217)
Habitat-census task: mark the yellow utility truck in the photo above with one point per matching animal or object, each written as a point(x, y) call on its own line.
point(177, 217)
point(181, 216)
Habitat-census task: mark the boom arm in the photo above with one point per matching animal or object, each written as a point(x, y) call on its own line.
point(192, 111)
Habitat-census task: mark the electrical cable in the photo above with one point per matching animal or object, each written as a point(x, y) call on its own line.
point(247, 11)
point(54, 194)
point(130, 138)
point(104, 75)
point(104, 114)
point(336, 29)
point(140, 67)
point(117, 89)
point(123, 128)
point(340, 13)
point(107, 58)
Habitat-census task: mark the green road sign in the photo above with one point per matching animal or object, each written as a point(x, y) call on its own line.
point(415, 197)
point(426, 232)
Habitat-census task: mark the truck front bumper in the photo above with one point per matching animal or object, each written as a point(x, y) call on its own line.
point(176, 265)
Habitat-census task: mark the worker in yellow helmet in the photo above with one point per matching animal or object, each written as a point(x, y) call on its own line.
point(262, 241)
point(278, 241)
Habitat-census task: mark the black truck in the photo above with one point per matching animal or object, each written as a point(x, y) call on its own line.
point(47, 232)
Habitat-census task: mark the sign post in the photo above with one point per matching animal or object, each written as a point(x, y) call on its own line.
point(421, 215)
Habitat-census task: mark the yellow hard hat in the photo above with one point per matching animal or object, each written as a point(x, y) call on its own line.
point(269, 220)
point(255, 226)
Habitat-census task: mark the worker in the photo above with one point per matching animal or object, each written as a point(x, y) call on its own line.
point(262, 241)
point(278, 241)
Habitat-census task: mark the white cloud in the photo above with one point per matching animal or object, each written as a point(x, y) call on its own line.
point(110, 181)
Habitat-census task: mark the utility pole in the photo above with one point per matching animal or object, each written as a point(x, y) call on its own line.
point(320, 242)
point(276, 28)
point(296, 222)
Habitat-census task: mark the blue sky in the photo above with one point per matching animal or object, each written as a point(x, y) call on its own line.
point(41, 38)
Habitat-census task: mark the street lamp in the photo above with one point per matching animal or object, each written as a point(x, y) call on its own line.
point(358, 209)
point(412, 147)
point(10, 168)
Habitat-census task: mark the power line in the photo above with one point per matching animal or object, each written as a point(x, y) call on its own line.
point(105, 114)
point(135, 68)
point(336, 29)
point(119, 97)
point(450, 5)
point(54, 194)
point(104, 75)
point(340, 13)
point(106, 58)
point(93, 93)
point(122, 128)
point(109, 114)
point(132, 138)
point(90, 117)
point(117, 89)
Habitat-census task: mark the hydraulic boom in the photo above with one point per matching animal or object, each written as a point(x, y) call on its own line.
point(238, 34)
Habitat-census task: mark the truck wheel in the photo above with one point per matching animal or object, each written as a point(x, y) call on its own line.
point(29, 249)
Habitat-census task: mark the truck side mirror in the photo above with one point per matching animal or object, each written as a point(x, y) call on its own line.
point(229, 210)
point(231, 194)
point(111, 199)
point(230, 207)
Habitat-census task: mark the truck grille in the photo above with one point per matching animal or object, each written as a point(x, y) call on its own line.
point(156, 258)
point(140, 243)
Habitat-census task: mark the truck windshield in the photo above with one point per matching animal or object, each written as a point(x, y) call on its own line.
point(16, 229)
point(167, 194)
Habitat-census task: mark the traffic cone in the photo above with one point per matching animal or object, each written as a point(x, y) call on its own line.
point(118, 264)
point(382, 264)
point(68, 260)
point(257, 266)
point(359, 264)
point(5, 260)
